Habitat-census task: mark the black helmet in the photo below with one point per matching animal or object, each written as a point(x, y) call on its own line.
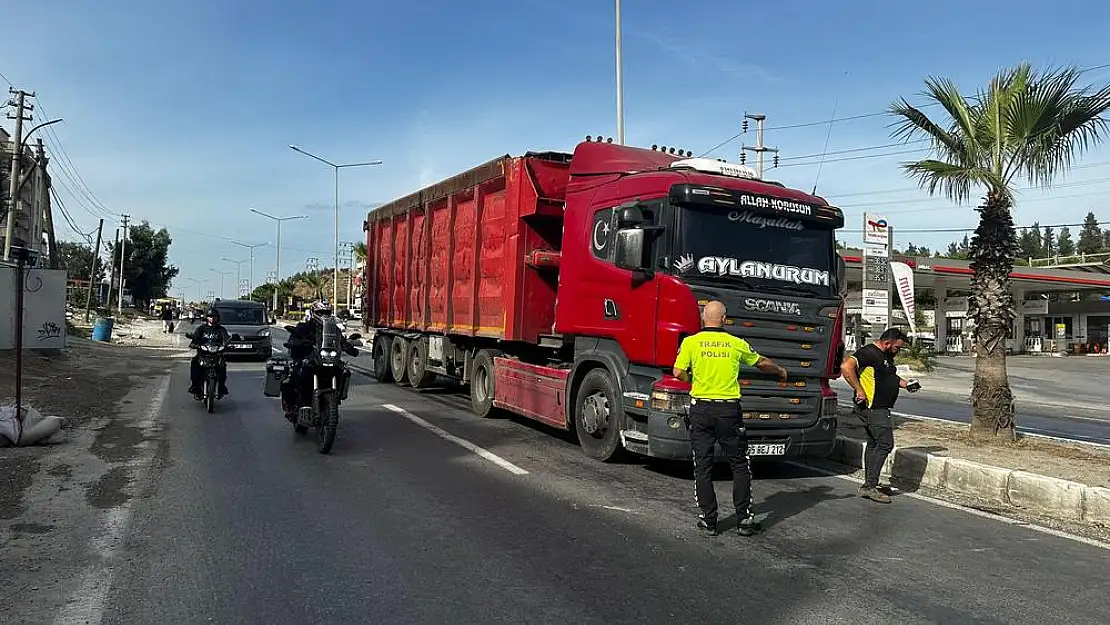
point(212, 313)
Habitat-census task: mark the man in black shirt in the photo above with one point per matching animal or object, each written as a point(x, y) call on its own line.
point(873, 376)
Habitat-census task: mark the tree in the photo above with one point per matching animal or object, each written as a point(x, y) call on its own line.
point(360, 252)
point(958, 250)
point(1038, 241)
point(1064, 244)
point(1029, 244)
point(1090, 236)
point(1023, 124)
point(77, 260)
point(314, 282)
point(146, 270)
point(1048, 242)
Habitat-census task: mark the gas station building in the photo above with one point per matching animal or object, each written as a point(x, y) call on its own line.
point(1045, 323)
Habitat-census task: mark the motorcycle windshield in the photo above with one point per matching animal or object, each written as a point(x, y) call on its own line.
point(330, 338)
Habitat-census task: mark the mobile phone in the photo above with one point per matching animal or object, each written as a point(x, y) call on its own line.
point(913, 386)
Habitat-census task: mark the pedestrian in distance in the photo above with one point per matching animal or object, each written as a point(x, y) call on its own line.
point(710, 360)
point(872, 374)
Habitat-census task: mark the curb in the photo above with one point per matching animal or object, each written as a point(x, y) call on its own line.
point(907, 467)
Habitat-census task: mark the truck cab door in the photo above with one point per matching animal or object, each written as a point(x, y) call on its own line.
point(621, 302)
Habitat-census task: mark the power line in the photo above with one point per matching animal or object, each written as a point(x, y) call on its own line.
point(846, 118)
point(1016, 228)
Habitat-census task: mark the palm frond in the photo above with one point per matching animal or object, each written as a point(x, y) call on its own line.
point(953, 179)
point(1023, 122)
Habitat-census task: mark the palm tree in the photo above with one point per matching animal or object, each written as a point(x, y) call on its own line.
point(1024, 124)
point(314, 282)
point(360, 252)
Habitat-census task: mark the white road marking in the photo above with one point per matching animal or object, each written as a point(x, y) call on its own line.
point(465, 444)
point(1034, 432)
point(86, 605)
point(955, 506)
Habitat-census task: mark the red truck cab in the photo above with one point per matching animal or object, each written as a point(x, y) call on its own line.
point(569, 281)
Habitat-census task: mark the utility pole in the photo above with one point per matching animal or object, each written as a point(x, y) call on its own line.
point(122, 258)
point(21, 107)
point(759, 148)
point(349, 254)
point(92, 272)
point(111, 275)
point(47, 207)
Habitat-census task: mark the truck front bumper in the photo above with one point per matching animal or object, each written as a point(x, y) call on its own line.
point(668, 437)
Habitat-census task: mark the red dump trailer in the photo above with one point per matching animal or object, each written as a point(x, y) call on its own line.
point(559, 286)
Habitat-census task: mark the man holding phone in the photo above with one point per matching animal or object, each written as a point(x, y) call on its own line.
point(873, 376)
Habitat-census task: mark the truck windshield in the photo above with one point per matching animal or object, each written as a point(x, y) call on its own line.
point(755, 250)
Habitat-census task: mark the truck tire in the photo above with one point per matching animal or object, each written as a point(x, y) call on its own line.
point(399, 361)
point(380, 354)
point(598, 417)
point(481, 383)
point(419, 376)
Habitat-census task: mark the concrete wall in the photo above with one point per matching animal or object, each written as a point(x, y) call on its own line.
point(44, 317)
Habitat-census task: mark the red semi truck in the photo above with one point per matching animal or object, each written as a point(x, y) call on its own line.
point(559, 286)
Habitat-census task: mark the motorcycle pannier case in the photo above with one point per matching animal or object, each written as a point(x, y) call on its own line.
point(276, 371)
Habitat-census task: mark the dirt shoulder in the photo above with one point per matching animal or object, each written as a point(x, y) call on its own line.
point(56, 499)
point(1077, 462)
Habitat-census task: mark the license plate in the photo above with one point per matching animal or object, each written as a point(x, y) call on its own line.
point(767, 449)
point(240, 346)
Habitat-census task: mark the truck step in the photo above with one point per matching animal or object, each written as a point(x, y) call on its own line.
point(634, 435)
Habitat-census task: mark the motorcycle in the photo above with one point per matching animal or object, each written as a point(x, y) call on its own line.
point(210, 358)
point(331, 379)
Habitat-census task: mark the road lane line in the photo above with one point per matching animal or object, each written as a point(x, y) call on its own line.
point(86, 604)
point(972, 511)
point(462, 442)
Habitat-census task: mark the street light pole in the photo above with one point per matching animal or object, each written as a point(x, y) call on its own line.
point(198, 281)
point(238, 274)
point(277, 260)
point(250, 279)
point(335, 273)
point(223, 294)
point(620, 80)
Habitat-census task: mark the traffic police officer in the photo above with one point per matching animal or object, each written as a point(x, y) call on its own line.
point(713, 357)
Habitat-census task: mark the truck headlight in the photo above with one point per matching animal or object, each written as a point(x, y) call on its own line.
point(670, 402)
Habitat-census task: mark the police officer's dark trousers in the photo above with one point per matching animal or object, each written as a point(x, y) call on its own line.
point(720, 422)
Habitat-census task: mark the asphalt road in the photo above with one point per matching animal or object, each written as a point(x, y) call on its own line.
point(1086, 419)
point(245, 523)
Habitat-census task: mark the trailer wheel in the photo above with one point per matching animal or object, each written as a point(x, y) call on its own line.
point(481, 383)
point(598, 418)
point(399, 361)
point(380, 354)
point(419, 376)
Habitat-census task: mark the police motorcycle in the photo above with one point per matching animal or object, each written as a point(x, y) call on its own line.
point(210, 357)
point(331, 379)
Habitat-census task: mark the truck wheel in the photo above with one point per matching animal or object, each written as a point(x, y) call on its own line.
point(380, 354)
point(598, 418)
point(419, 376)
point(481, 383)
point(399, 361)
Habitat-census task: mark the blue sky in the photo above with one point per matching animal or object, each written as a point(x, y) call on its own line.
point(180, 113)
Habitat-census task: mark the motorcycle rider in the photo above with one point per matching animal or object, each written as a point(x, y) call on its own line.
point(303, 342)
point(209, 333)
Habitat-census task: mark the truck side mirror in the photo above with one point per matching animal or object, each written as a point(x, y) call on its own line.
point(630, 249)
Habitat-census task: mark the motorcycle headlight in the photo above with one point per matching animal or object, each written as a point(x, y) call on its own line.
point(328, 353)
